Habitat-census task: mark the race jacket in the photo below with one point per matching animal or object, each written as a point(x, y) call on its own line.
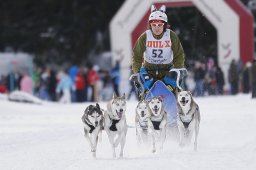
point(148, 48)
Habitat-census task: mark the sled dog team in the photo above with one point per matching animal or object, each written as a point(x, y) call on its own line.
point(150, 122)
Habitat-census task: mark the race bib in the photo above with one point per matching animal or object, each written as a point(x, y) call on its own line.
point(158, 51)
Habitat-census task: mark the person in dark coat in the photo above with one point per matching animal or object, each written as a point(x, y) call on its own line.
point(52, 84)
point(220, 80)
point(199, 75)
point(253, 78)
point(233, 77)
point(246, 78)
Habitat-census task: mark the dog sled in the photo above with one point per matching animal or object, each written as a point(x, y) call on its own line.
point(160, 89)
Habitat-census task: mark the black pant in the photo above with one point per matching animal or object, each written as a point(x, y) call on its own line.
point(116, 89)
point(254, 90)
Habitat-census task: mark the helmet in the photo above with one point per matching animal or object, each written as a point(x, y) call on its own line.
point(158, 14)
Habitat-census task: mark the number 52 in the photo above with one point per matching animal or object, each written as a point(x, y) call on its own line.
point(157, 53)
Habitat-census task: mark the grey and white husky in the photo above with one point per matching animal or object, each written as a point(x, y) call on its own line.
point(141, 122)
point(93, 125)
point(115, 122)
point(157, 121)
point(188, 118)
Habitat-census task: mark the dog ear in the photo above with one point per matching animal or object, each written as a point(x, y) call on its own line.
point(97, 105)
point(123, 96)
point(189, 92)
point(160, 98)
point(86, 109)
point(153, 8)
point(114, 95)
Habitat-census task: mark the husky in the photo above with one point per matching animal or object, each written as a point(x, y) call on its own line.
point(115, 122)
point(188, 118)
point(93, 125)
point(157, 121)
point(141, 121)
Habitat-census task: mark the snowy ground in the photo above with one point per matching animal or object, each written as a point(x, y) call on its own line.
point(50, 137)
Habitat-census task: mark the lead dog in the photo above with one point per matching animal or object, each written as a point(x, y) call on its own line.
point(188, 118)
point(141, 121)
point(157, 121)
point(115, 122)
point(93, 125)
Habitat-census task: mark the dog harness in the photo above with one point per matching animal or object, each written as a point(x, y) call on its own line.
point(186, 124)
point(87, 122)
point(143, 125)
point(156, 124)
point(113, 125)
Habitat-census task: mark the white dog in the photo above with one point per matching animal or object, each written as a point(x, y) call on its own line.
point(93, 125)
point(157, 121)
point(141, 122)
point(188, 118)
point(115, 123)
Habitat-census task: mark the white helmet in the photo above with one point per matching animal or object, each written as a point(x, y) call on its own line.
point(158, 14)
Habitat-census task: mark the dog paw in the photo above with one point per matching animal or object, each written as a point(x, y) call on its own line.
point(93, 150)
point(154, 150)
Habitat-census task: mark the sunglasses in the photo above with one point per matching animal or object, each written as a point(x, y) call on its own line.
point(157, 24)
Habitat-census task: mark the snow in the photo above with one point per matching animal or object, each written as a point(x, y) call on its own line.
point(50, 136)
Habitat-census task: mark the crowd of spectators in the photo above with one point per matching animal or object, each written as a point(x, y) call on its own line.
point(208, 78)
point(90, 83)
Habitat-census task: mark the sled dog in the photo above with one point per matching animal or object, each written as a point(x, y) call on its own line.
point(115, 122)
point(93, 125)
point(157, 121)
point(141, 121)
point(188, 118)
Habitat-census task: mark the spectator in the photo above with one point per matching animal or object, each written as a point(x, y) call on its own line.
point(93, 78)
point(246, 78)
point(85, 75)
point(2, 85)
point(253, 78)
point(199, 75)
point(52, 83)
point(13, 81)
point(64, 86)
point(26, 83)
point(107, 90)
point(210, 79)
point(72, 74)
point(115, 76)
point(220, 80)
point(44, 78)
point(233, 77)
point(80, 86)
